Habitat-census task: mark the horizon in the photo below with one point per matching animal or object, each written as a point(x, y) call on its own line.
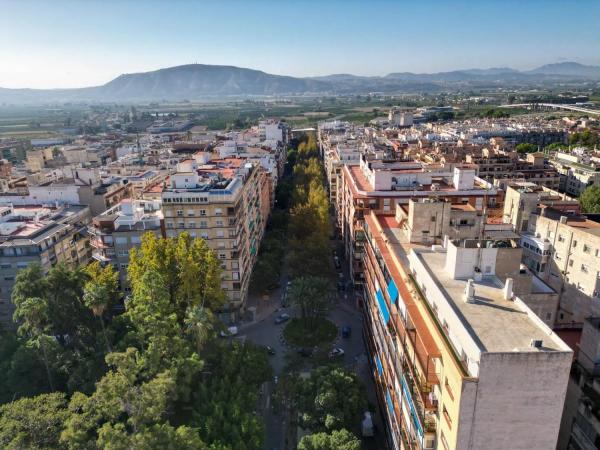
point(96, 42)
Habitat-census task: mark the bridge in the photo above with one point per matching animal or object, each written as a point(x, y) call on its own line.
point(553, 106)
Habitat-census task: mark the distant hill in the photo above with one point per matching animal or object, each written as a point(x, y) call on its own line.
point(201, 81)
point(571, 69)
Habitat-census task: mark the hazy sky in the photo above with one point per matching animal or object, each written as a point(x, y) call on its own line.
point(69, 43)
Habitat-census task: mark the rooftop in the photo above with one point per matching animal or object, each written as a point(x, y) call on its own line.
point(496, 324)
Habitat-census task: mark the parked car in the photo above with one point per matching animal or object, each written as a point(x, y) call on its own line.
point(282, 318)
point(336, 351)
point(231, 331)
point(270, 350)
point(305, 351)
point(346, 331)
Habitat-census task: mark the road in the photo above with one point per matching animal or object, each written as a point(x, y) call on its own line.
point(265, 332)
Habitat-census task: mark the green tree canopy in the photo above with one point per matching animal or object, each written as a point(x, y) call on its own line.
point(336, 440)
point(330, 399)
point(590, 199)
point(526, 148)
point(33, 423)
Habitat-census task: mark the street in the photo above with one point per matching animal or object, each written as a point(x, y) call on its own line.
point(263, 331)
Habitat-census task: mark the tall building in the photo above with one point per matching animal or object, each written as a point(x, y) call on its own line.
point(380, 186)
point(460, 360)
point(43, 235)
point(227, 203)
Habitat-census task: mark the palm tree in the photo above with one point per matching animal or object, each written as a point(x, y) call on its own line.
point(33, 312)
point(96, 297)
point(199, 325)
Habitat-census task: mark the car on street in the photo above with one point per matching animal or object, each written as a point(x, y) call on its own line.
point(270, 350)
point(282, 318)
point(230, 331)
point(305, 351)
point(346, 331)
point(336, 351)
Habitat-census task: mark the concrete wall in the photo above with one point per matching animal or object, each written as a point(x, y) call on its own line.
point(518, 402)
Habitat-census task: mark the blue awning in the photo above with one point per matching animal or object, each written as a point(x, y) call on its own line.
point(390, 404)
point(383, 309)
point(378, 364)
point(411, 405)
point(392, 291)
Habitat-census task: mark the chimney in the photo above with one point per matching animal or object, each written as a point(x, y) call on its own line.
point(470, 292)
point(507, 292)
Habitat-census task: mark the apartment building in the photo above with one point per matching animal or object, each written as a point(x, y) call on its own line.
point(522, 199)
point(576, 173)
point(42, 235)
point(493, 166)
point(379, 186)
point(119, 229)
point(569, 262)
point(227, 203)
point(460, 361)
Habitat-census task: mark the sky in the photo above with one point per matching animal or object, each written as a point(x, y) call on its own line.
point(71, 43)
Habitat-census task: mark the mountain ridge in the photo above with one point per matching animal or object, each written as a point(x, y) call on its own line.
point(199, 81)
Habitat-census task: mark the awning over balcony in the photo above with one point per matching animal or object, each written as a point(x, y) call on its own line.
point(388, 400)
point(383, 309)
point(392, 290)
point(378, 364)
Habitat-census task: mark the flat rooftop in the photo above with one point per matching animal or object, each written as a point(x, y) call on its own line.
point(498, 325)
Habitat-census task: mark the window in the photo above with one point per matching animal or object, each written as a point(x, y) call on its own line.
point(219, 223)
point(570, 263)
point(203, 224)
point(574, 244)
point(220, 233)
point(204, 235)
point(447, 417)
point(121, 240)
point(191, 213)
point(218, 212)
point(179, 212)
point(135, 239)
point(448, 389)
point(222, 255)
point(191, 224)
point(584, 268)
point(169, 224)
point(181, 225)
point(202, 212)
point(235, 275)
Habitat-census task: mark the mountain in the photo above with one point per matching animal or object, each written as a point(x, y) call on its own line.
point(571, 69)
point(201, 81)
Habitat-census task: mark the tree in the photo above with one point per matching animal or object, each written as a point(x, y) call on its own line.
point(224, 403)
point(33, 313)
point(330, 399)
point(33, 423)
point(526, 148)
point(311, 294)
point(590, 199)
point(188, 268)
point(336, 440)
point(100, 292)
